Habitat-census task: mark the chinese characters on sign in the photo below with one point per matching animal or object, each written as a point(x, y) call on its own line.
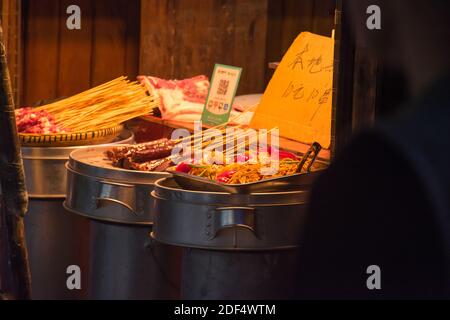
point(299, 96)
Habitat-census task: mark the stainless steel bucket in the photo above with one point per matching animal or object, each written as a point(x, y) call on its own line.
point(124, 262)
point(236, 246)
point(55, 238)
point(45, 168)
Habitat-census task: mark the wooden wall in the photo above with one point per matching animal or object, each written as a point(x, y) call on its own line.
point(11, 26)
point(184, 38)
point(290, 17)
point(60, 62)
point(166, 38)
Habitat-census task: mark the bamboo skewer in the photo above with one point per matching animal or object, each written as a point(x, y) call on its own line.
point(55, 105)
point(223, 125)
point(104, 106)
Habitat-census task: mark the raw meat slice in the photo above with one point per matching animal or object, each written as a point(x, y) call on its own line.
point(180, 99)
point(38, 122)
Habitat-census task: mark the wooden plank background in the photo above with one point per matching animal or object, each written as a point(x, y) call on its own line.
point(11, 25)
point(193, 35)
point(166, 38)
point(184, 38)
point(58, 62)
point(287, 18)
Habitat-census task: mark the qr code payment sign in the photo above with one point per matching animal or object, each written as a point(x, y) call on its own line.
point(223, 87)
point(224, 83)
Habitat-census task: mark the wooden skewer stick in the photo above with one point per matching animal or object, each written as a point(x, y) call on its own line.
point(223, 125)
point(245, 143)
point(104, 106)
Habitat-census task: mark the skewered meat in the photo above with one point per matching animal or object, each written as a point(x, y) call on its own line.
point(150, 156)
point(154, 165)
point(38, 122)
point(118, 154)
point(158, 151)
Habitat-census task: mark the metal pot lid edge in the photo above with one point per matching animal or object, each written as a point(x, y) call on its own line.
point(219, 248)
point(169, 193)
point(48, 153)
point(77, 166)
point(107, 220)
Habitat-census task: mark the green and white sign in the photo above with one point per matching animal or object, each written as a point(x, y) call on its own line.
point(224, 84)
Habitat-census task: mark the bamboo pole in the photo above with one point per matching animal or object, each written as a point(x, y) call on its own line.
point(16, 279)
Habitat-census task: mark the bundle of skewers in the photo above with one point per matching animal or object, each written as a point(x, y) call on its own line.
point(238, 166)
point(157, 155)
point(102, 107)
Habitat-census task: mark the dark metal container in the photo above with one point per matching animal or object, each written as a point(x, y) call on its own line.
point(124, 262)
point(55, 238)
point(236, 246)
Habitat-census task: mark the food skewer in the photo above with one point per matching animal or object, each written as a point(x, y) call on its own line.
point(101, 107)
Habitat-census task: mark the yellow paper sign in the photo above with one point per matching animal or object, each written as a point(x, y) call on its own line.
point(298, 97)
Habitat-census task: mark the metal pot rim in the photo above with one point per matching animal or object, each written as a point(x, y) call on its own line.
point(107, 220)
point(79, 166)
point(45, 167)
point(62, 153)
point(171, 193)
point(224, 193)
point(225, 248)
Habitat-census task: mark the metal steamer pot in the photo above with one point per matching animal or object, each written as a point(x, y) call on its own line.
point(124, 261)
point(55, 238)
point(45, 167)
point(236, 246)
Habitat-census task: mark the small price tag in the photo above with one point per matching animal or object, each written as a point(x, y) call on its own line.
point(224, 84)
